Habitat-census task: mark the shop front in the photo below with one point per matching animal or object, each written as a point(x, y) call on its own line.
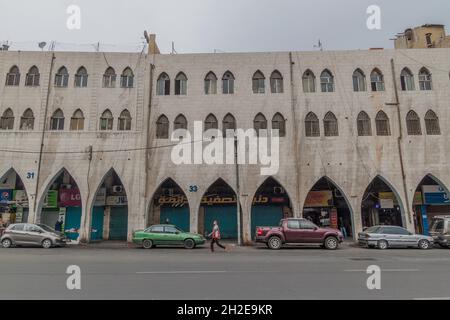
point(70, 211)
point(268, 210)
point(173, 209)
point(117, 206)
point(434, 201)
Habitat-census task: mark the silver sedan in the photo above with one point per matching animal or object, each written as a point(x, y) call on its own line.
point(383, 237)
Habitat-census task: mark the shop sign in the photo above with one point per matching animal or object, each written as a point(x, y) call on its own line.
point(116, 201)
point(5, 196)
point(20, 198)
point(317, 199)
point(435, 195)
point(386, 204)
point(100, 197)
point(333, 218)
point(69, 198)
point(19, 215)
point(417, 201)
point(51, 200)
point(388, 196)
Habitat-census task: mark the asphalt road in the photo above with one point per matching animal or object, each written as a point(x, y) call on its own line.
point(243, 273)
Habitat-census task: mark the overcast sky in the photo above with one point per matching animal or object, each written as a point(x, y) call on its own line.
point(226, 25)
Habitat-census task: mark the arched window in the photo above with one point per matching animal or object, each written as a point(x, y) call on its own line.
point(62, 78)
point(13, 77)
point(312, 127)
point(309, 81)
point(377, 80)
point(359, 81)
point(127, 78)
point(276, 82)
point(109, 78)
point(32, 79)
point(228, 123)
point(279, 123)
point(330, 125)
point(425, 80)
point(124, 123)
point(163, 85)
point(259, 123)
point(162, 127)
point(7, 120)
point(259, 82)
point(210, 83)
point(364, 125)
point(211, 122)
point(81, 78)
point(106, 120)
point(407, 80)
point(382, 124)
point(327, 81)
point(413, 124)
point(432, 123)
point(228, 83)
point(77, 120)
point(27, 120)
point(57, 120)
point(181, 84)
point(180, 122)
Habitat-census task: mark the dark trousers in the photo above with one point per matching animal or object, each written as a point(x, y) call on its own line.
point(216, 241)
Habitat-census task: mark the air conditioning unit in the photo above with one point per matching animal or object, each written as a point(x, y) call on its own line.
point(278, 190)
point(168, 192)
point(117, 189)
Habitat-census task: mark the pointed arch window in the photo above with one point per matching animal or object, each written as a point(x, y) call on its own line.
point(413, 124)
point(359, 81)
point(180, 122)
point(259, 82)
point(312, 127)
point(259, 123)
point(162, 127)
point(81, 78)
point(127, 78)
point(109, 78)
point(327, 81)
point(210, 83)
point(407, 80)
point(432, 123)
point(77, 121)
point(228, 83)
point(309, 82)
point(106, 121)
point(425, 80)
point(377, 80)
point(181, 84)
point(211, 122)
point(382, 124)
point(163, 85)
point(7, 120)
point(27, 120)
point(276, 82)
point(33, 77)
point(279, 123)
point(57, 120)
point(228, 123)
point(13, 76)
point(330, 125)
point(124, 123)
point(62, 78)
point(364, 125)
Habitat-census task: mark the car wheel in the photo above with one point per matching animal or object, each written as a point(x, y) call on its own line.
point(6, 243)
point(382, 245)
point(189, 244)
point(147, 244)
point(331, 243)
point(274, 243)
point(424, 244)
point(46, 243)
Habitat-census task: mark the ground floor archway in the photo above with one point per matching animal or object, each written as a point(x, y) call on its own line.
point(14, 203)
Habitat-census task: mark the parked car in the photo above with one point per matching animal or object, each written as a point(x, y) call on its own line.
point(27, 234)
point(167, 235)
point(440, 230)
point(383, 237)
point(298, 231)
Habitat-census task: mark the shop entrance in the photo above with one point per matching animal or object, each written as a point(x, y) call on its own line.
point(381, 205)
point(270, 204)
point(327, 206)
point(13, 199)
point(169, 206)
point(430, 199)
point(109, 218)
point(219, 203)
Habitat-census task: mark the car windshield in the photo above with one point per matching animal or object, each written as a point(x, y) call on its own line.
point(46, 228)
point(373, 229)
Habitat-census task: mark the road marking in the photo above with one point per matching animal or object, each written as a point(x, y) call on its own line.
point(384, 270)
point(179, 272)
point(437, 298)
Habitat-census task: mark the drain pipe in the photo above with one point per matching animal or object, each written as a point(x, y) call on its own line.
point(400, 139)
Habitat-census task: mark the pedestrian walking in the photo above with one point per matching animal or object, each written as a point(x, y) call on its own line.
point(215, 237)
point(58, 225)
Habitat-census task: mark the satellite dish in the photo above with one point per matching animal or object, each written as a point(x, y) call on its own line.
point(42, 45)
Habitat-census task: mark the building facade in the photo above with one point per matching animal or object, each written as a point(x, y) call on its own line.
point(85, 137)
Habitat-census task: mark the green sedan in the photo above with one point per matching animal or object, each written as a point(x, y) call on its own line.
point(167, 235)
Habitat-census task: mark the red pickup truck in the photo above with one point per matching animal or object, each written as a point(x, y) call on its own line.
point(298, 231)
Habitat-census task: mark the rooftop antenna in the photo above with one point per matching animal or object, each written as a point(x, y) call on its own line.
point(52, 46)
point(42, 45)
point(173, 48)
point(319, 45)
